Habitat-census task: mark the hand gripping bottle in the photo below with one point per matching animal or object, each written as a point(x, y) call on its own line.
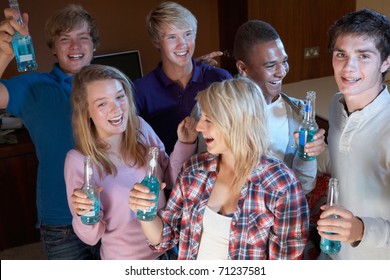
point(152, 183)
point(90, 189)
point(23, 45)
point(331, 246)
point(308, 127)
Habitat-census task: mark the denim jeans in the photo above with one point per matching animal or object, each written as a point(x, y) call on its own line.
point(171, 254)
point(62, 243)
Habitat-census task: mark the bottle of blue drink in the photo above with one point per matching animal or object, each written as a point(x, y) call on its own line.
point(331, 246)
point(22, 45)
point(308, 128)
point(90, 189)
point(152, 183)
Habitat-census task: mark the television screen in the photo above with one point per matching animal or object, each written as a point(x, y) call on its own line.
point(128, 62)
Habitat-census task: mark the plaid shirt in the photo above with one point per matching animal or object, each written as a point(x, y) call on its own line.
point(271, 220)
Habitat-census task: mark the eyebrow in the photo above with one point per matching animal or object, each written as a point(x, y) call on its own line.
point(275, 61)
point(369, 50)
point(98, 100)
point(176, 33)
point(105, 97)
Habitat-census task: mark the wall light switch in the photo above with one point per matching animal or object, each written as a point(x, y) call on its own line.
point(311, 52)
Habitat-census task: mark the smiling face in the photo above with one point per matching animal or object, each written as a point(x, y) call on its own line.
point(358, 69)
point(177, 45)
point(74, 49)
point(108, 107)
point(267, 66)
point(213, 137)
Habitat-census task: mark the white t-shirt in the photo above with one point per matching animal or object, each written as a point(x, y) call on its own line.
point(278, 128)
point(214, 243)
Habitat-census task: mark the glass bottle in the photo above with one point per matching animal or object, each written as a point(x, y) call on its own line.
point(308, 127)
point(331, 246)
point(151, 181)
point(22, 45)
point(90, 189)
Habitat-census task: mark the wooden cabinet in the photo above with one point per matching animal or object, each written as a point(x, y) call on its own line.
point(18, 175)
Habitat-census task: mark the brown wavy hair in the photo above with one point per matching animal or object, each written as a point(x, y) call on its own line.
point(67, 19)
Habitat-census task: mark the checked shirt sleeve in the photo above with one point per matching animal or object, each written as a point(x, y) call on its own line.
point(291, 224)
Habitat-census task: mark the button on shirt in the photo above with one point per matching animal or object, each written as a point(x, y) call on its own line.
point(271, 220)
point(360, 155)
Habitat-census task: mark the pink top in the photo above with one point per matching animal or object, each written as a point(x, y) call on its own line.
point(119, 230)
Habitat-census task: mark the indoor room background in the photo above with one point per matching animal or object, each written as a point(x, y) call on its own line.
point(302, 25)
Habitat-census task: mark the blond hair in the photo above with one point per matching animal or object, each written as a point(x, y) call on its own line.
point(169, 14)
point(238, 110)
point(85, 133)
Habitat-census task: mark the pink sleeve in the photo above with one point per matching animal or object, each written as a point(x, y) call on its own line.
point(170, 166)
point(74, 177)
point(180, 154)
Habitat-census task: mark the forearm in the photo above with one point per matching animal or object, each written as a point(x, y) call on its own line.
point(4, 62)
point(376, 232)
point(306, 171)
point(153, 230)
point(323, 162)
point(89, 234)
point(181, 153)
point(291, 225)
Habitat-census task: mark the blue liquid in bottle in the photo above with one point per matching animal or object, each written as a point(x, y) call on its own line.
point(154, 186)
point(308, 127)
point(305, 136)
point(91, 190)
point(331, 246)
point(24, 52)
point(22, 45)
point(93, 216)
point(152, 183)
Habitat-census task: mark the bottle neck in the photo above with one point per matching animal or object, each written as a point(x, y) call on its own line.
point(88, 172)
point(333, 192)
point(151, 168)
point(14, 5)
point(310, 111)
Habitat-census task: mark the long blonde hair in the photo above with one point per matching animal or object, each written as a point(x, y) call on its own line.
point(238, 110)
point(86, 137)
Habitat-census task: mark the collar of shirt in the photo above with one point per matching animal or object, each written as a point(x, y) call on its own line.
point(197, 76)
point(61, 76)
point(371, 109)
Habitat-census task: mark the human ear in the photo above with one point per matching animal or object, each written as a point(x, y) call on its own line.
point(156, 44)
point(385, 65)
point(241, 67)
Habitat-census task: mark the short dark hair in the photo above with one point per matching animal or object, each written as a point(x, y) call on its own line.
point(250, 34)
point(363, 23)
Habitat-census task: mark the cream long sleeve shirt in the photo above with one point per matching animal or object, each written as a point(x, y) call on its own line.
point(359, 147)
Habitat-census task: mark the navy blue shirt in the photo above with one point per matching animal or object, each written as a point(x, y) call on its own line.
point(164, 104)
point(42, 101)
